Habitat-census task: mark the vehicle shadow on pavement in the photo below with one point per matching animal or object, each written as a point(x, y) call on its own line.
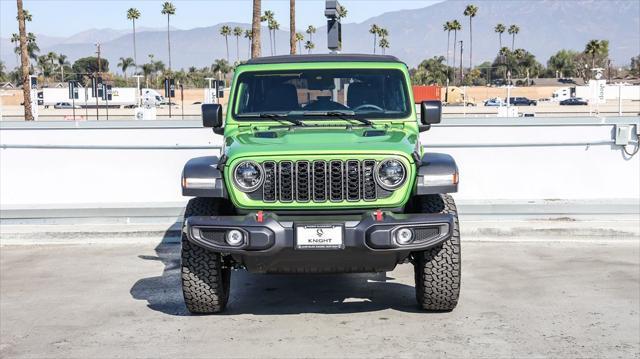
point(276, 294)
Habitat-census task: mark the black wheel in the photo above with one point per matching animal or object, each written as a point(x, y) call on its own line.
point(205, 278)
point(437, 270)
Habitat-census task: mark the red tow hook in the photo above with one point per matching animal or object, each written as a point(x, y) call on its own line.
point(378, 215)
point(260, 217)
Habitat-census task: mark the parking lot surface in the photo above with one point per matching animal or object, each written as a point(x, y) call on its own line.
point(519, 299)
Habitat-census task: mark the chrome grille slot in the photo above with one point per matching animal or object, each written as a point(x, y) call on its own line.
point(286, 181)
point(303, 181)
point(368, 180)
point(269, 186)
point(319, 181)
point(336, 180)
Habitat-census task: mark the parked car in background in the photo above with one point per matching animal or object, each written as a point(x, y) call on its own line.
point(64, 105)
point(522, 101)
point(492, 102)
point(574, 101)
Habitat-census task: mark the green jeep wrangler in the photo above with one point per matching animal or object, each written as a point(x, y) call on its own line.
point(321, 171)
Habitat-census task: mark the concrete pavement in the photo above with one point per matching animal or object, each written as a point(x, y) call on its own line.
point(519, 299)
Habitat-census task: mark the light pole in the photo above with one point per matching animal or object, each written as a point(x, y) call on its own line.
point(138, 90)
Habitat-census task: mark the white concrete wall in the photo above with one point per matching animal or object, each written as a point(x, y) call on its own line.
point(539, 170)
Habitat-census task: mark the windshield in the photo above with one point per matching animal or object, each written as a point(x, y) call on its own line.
point(374, 94)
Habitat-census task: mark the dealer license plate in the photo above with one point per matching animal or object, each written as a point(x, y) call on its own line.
point(319, 237)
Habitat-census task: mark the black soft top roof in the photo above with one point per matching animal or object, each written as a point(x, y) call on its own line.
point(284, 59)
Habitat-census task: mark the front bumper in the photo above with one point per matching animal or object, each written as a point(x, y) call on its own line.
point(368, 239)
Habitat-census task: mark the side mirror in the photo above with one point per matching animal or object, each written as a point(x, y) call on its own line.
point(212, 115)
point(430, 112)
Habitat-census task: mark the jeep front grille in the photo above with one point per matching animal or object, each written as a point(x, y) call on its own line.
point(319, 181)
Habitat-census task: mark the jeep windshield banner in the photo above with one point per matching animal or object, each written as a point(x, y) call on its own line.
point(317, 94)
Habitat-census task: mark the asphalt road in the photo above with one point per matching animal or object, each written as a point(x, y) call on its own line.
point(519, 299)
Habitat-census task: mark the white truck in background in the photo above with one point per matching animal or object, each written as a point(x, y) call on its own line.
point(121, 97)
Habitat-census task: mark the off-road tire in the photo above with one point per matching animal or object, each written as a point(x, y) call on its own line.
point(437, 270)
point(205, 280)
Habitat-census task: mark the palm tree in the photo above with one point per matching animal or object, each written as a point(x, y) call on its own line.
point(237, 32)
point(309, 46)
point(471, 11)
point(133, 14)
point(226, 32)
point(255, 29)
point(27, 16)
point(384, 44)
point(299, 39)
point(268, 17)
point(26, 82)
point(500, 29)
point(455, 27)
point(248, 34)
point(310, 31)
point(374, 31)
point(15, 39)
point(124, 64)
point(221, 66)
point(62, 62)
point(168, 9)
point(147, 70)
point(513, 31)
point(595, 48)
point(292, 27)
point(447, 27)
point(274, 26)
point(342, 12)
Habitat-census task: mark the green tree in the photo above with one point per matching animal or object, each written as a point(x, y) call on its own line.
point(168, 9)
point(124, 64)
point(634, 69)
point(513, 31)
point(269, 17)
point(310, 31)
point(471, 11)
point(3, 74)
point(500, 29)
point(133, 14)
point(598, 50)
point(342, 12)
point(299, 40)
point(221, 66)
point(374, 31)
point(89, 65)
point(237, 32)
point(62, 63)
point(384, 44)
point(309, 45)
point(431, 72)
point(563, 63)
point(147, 71)
point(226, 32)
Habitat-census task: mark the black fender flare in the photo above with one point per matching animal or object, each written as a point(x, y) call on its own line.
point(437, 173)
point(201, 177)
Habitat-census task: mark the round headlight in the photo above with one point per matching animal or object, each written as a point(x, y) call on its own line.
point(247, 176)
point(390, 174)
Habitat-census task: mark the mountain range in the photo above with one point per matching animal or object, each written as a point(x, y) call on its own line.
point(545, 27)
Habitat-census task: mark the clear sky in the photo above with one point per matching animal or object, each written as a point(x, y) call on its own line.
point(67, 17)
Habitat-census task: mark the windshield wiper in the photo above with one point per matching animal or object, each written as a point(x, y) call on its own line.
point(275, 116)
point(340, 114)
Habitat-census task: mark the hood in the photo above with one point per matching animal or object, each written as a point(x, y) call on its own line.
point(321, 140)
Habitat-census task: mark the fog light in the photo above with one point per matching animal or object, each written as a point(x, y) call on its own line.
point(235, 237)
point(404, 236)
